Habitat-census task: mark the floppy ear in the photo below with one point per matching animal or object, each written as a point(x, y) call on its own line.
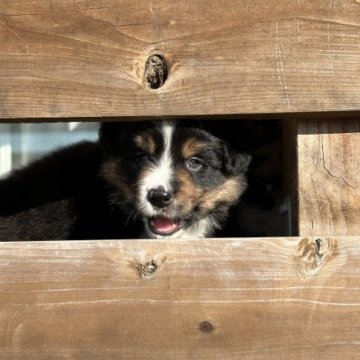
point(110, 136)
point(235, 163)
point(105, 137)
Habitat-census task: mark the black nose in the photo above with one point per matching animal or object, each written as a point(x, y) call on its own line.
point(159, 197)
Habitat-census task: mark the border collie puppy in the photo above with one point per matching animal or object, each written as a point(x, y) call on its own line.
point(162, 179)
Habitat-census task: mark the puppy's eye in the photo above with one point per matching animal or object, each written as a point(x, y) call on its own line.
point(142, 157)
point(194, 164)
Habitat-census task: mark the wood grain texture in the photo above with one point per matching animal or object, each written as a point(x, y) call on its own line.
point(198, 299)
point(329, 177)
point(86, 58)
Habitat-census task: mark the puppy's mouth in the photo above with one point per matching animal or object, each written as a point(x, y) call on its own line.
point(161, 225)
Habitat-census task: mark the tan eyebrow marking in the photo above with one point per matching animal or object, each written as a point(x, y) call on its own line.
point(192, 147)
point(146, 142)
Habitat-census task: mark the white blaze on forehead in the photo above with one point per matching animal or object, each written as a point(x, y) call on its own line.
point(162, 173)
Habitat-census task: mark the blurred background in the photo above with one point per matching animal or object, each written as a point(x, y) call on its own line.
point(21, 143)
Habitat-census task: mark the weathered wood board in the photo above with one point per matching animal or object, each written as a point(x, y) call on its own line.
point(197, 299)
point(86, 58)
point(329, 177)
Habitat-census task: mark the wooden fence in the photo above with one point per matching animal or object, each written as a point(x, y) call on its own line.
point(86, 58)
point(197, 299)
point(268, 298)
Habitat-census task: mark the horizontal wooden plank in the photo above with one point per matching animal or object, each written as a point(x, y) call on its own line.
point(273, 298)
point(72, 58)
point(329, 177)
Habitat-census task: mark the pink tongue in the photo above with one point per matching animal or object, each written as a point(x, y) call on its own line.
point(164, 225)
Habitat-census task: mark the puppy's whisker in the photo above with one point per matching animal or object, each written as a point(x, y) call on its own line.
point(135, 216)
point(129, 217)
point(114, 199)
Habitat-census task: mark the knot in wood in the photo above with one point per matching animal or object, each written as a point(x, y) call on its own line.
point(156, 71)
point(313, 254)
point(206, 326)
point(148, 269)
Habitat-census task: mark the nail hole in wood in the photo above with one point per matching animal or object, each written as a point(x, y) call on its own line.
point(206, 326)
point(156, 71)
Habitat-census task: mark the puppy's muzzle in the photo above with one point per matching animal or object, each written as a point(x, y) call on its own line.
point(159, 197)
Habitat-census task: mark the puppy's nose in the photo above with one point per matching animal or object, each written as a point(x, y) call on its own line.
point(159, 197)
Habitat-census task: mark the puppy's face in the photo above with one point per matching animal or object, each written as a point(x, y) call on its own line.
point(178, 178)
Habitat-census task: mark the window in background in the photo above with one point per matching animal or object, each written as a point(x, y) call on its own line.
point(22, 143)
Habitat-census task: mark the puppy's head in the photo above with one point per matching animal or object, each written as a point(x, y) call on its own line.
point(177, 177)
